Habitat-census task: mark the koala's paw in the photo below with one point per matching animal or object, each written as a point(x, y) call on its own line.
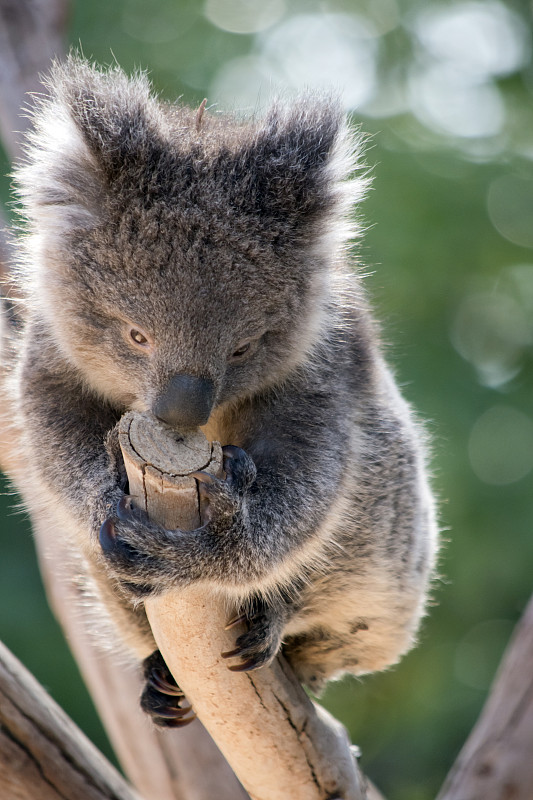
point(162, 698)
point(261, 642)
point(139, 553)
point(144, 558)
point(221, 498)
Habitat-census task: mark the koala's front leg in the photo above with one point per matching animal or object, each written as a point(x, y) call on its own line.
point(70, 442)
point(143, 557)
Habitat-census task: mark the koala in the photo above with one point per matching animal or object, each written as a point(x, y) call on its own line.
point(198, 266)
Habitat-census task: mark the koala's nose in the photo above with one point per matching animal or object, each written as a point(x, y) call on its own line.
point(186, 402)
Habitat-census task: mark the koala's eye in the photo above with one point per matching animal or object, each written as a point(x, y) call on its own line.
point(240, 351)
point(139, 337)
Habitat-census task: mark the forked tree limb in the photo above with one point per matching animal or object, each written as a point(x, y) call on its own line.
point(43, 755)
point(278, 742)
point(496, 763)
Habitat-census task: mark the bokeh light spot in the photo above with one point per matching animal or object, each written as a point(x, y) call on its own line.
point(490, 330)
point(510, 206)
point(244, 16)
point(501, 445)
point(324, 51)
point(479, 652)
point(480, 39)
point(443, 99)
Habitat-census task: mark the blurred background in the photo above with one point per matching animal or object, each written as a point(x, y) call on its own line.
point(445, 90)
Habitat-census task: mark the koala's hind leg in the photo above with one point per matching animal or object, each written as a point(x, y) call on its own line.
point(317, 655)
point(162, 697)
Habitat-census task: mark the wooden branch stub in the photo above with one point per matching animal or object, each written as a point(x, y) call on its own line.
point(163, 488)
point(278, 743)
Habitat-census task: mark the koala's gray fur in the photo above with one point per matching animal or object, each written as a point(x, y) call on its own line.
point(210, 234)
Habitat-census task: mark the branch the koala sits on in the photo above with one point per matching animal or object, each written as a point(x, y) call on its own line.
point(195, 265)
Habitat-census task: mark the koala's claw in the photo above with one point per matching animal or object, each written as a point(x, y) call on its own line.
point(203, 477)
point(239, 468)
point(235, 621)
point(111, 544)
point(162, 697)
point(257, 646)
point(107, 535)
point(244, 666)
point(128, 512)
point(161, 684)
point(247, 666)
point(136, 568)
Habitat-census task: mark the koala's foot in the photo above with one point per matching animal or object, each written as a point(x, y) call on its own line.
point(261, 642)
point(162, 697)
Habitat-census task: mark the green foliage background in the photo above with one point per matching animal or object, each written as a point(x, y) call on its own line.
point(450, 269)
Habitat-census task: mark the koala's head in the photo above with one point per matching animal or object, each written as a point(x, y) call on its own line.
point(180, 259)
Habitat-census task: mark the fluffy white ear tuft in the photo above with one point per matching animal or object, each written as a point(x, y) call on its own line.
point(85, 127)
point(58, 182)
point(350, 180)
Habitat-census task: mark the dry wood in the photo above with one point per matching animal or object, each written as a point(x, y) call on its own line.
point(279, 743)
point(43, 755)
point(31, 34)
point(496, 763)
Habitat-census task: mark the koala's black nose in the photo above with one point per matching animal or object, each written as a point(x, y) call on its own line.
point(186, 402)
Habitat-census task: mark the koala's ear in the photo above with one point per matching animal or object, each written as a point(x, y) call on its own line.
point(296, 168)
point(85, 126)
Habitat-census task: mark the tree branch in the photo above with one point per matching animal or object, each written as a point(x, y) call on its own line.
point(170, 765)
point(277, 741)
point(496, 762)
point(42, 753)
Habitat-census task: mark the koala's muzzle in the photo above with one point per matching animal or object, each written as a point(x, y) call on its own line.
point(186, 402)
